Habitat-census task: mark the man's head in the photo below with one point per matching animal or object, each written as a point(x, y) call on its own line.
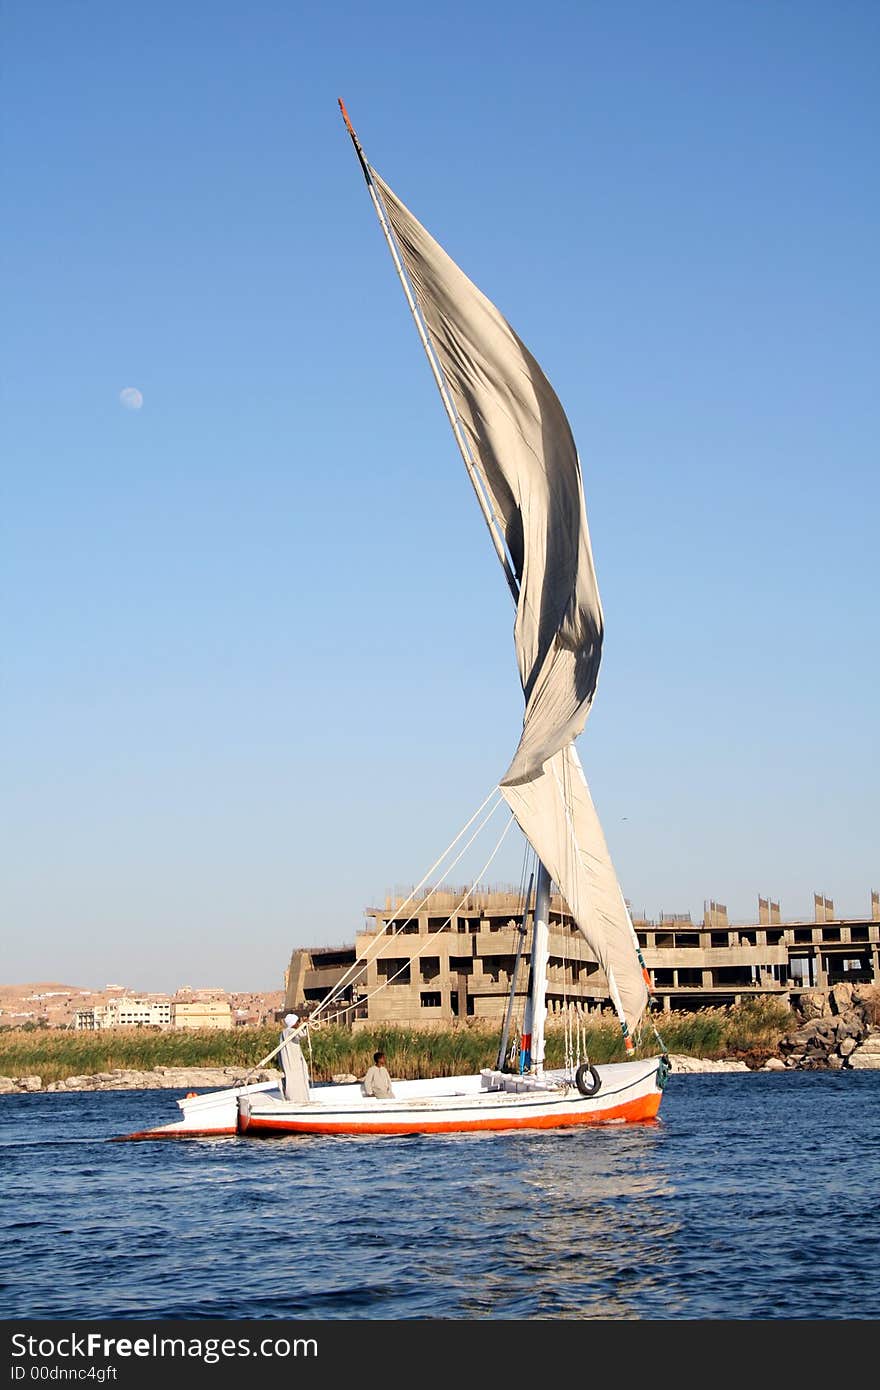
point(379, 1058)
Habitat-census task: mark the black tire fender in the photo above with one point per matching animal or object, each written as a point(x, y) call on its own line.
point(587, 1080)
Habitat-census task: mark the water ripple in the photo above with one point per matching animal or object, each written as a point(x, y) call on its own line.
point(752, 1198)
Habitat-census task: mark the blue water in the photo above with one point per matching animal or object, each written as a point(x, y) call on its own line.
point(754, 1196)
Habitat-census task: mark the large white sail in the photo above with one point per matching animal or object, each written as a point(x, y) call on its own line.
point(522, 445)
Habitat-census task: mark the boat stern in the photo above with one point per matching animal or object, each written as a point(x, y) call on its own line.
point(211, 1115)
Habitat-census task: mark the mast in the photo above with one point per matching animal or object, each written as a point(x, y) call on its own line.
point(505, 1032)
point(532, 1054)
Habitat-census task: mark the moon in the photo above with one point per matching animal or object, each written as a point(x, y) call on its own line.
point(131, 398)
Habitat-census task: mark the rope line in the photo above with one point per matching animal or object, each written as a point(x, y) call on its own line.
point(357, 969)
point(432, 934)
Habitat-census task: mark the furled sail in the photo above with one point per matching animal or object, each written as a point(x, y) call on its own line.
point(523, 448)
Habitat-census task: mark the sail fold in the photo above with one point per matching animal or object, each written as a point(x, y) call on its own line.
point(556, 814)
point(522, 445)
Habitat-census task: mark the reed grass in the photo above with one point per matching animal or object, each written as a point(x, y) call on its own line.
point(54, 1053)
point(753, 1027)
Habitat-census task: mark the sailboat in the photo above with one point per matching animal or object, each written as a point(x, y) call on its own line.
point(517, 447)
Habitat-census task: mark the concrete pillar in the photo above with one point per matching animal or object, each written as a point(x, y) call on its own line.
point(462, 994)
point(821, 977)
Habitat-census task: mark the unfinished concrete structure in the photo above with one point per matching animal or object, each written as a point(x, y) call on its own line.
point(455, 959)
point(713, 962)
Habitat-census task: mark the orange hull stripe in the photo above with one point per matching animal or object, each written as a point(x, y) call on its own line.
point(645, 1108)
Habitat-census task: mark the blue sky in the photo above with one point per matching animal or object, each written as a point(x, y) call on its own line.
point(258, 665)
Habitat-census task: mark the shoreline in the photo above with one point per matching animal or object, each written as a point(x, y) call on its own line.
point(849, 1042)
point(129, 1079)
point(219, 1078)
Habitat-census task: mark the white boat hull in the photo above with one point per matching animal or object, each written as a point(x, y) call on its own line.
point(208, 1115)
point(629, 1091)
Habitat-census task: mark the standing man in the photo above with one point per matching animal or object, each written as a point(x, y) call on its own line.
point(377, 1082)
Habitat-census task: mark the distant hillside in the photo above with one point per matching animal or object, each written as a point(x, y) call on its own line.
point(40, 987)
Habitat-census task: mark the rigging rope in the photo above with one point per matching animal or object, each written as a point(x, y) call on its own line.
point(429, 936)
point(507, 1051)
point(530, 867)
point(305, 1024)
point(358, 969)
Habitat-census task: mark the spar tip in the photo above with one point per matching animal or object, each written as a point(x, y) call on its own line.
point(348, 125)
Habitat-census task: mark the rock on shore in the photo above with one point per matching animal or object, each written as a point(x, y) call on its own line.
point(693, 1065)
point(836, 1033)
point(160, 1078)
point(866, 1057)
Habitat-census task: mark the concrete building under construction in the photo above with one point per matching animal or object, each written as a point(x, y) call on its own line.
point(456, 956)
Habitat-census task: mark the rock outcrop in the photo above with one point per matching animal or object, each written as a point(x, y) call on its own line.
point(836, 1033)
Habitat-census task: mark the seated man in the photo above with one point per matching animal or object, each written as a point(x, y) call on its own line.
point(377, 1082)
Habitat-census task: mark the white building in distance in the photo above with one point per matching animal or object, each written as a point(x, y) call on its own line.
point(126, 1012)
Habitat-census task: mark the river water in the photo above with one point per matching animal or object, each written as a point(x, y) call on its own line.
point(754, 1196)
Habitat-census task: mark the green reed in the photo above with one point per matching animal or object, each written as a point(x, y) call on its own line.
point(54, 1053)
point(754, 1026)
